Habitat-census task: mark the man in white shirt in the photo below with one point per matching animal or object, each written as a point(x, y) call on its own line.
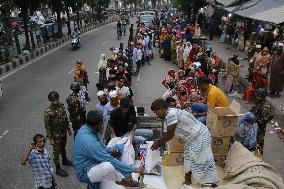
point(139, 56)
point(121, 89)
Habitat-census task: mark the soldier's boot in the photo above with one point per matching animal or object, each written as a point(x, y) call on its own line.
point(66, 161)
point(61, 172)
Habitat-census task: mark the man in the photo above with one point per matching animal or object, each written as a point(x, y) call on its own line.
point(215, 98)
point(131, 32)
point(122, 90)
point(93, 162)
point(134, 58)
point(57, 125)
point(254, 61)
point(277, 72)
point(141, 112)
point(123, 123)
point(76, 34)
point(263, 113)
point(102, 97)
point(74, 107)
point(38, 158)
point(172, 102)
point(198, 157)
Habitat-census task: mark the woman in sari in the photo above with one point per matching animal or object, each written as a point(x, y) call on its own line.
point(180, 55)
point(182, 97)
point(166, 45)
point(173, 49)
point(232, 71)
point(170, 79)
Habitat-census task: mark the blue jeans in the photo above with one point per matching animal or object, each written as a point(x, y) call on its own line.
point(200, 108)
point(141, 136)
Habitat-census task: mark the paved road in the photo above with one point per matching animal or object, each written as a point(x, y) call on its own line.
point(25, 98)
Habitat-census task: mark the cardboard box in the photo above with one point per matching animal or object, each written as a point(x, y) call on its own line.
point(223, 121)
point(175, 158)
point(175, 145)
point(220, 145)
point(219, 160)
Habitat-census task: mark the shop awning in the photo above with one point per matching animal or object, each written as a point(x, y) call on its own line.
point(226, 2)
point(265, 10)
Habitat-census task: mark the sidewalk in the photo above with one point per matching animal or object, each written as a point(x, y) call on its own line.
point(276, 103)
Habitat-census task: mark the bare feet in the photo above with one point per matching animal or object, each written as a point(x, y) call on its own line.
point(127, 183)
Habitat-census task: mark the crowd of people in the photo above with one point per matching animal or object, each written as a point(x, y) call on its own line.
point(183, 107)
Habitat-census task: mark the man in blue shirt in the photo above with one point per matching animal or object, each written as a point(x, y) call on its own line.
point(94, 162)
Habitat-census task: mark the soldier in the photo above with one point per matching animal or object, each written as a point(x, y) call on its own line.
point(74, 107)
point(262, 111)
point(253, 62)
point(57, 126)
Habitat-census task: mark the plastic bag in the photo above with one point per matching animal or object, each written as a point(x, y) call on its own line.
point(117, 140)
point(128, 155)
point(152, 158)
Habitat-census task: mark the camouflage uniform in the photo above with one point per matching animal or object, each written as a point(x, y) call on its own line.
point(76, 112)
point(262, 111)
point(56, 125)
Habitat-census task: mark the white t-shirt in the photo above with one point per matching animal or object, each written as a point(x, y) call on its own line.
point(139, 54)
point(188, 127)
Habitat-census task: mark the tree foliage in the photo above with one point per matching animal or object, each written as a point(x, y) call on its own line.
point(189, 7)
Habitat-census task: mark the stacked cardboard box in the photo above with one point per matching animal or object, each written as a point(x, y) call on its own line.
point(175, 149)
point(222, 123)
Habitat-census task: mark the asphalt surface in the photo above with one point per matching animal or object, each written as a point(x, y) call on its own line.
point(25, 99)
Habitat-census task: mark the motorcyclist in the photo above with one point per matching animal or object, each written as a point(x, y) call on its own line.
point(76, 34)
point(118, 27)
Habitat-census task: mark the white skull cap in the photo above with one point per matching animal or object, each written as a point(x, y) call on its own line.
point(258, 46)
point(100, 93)
point(113, 94)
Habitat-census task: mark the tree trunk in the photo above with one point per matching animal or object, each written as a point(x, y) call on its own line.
point(78, 18)
point(59, 23)
point(32, 38)
point(25, 19)
point(68, 20)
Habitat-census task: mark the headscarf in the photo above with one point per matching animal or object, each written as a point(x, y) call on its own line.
point(247, 117)
point(102, 63)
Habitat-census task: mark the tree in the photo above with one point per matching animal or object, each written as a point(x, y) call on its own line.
point(67, 5)
point(190, 8)
point(77, 5)
point(5, 9)
point(27, 8)
point(57, 6)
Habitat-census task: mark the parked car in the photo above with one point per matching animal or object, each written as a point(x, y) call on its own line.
point(146, 19)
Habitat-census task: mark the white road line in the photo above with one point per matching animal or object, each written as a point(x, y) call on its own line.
point(5, 132)
point(103, 43)
point(44, 55)
point(96, 72)
point(0, 136)
point(71, 71)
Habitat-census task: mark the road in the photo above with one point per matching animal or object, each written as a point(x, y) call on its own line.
point(25, 98)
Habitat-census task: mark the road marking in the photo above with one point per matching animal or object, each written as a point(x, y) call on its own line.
point(5, 132)
point(138, 79)
point(71, 71)
point(96, 72)
point(48, 53)
point(0, 136)
point(103, 43)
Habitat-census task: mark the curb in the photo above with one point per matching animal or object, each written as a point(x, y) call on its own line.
point(8, 67)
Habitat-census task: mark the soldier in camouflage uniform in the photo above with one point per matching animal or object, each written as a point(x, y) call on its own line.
point(262, 111)
point(75, 109)
point(57, 126)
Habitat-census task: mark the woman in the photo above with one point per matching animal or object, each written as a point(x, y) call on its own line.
point(180, 54)
point(233, 71)
point(182, 97)
point(170, 79)
point(173, 49)
point(102, 66)
point(166, 45)
point(181, 75)
point(247, 131)
point(198, 157)
point(186, 51)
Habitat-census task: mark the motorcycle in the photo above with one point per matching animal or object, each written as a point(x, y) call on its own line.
point(75, 43)
point(123, 29)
